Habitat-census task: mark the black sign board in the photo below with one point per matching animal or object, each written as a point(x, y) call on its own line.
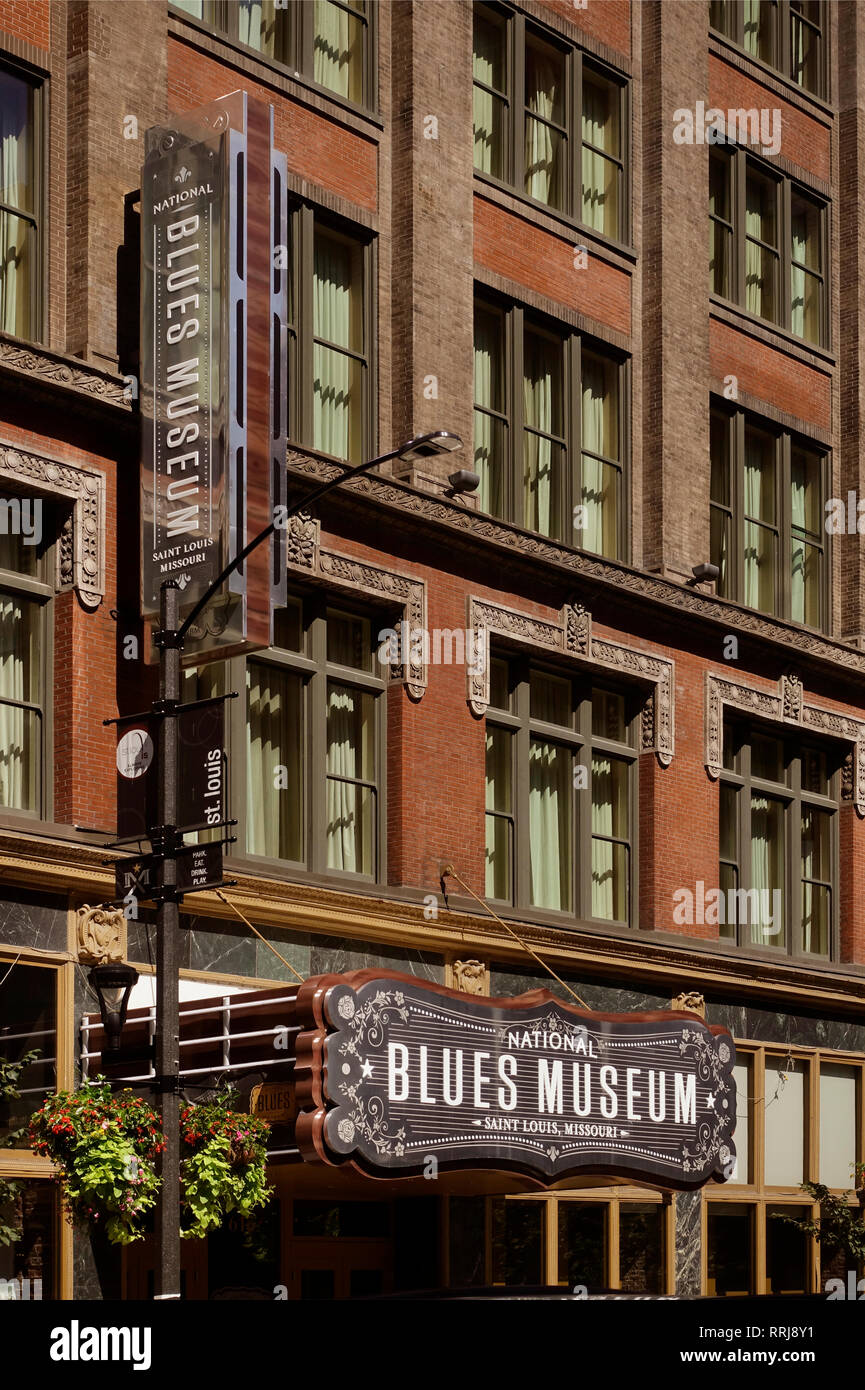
point(184, 485)
point(391, 1071)
point(199, 867)
point(201, 780)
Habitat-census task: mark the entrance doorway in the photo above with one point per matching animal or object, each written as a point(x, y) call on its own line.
point(338, 1249)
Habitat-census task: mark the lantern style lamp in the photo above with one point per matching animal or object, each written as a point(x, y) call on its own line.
point(113, 985)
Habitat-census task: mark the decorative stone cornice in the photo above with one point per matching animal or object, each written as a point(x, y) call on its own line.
point(346, 574)
point(81, 552)
point(475, 527)
point(573, 637)
point(471, 976)
point(42, 367)
point(786, 707)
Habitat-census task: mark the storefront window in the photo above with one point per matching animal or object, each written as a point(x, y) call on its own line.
point(786, 1251)
point(730, 1253)
point(641, 1247)
point(583, 1244)
point(28, 1267)
point(784, 1112)
point(518, 1242)
point(28, 1023)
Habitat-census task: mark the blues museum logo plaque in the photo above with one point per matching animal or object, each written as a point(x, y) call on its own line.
point(391, 1070)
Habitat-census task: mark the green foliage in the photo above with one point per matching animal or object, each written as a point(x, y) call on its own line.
point(839, 1225)
point(223, 1167)
point(10, 1073)
point(106, 1147)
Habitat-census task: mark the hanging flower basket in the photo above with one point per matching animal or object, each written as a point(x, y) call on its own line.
point(223, 1164)
point(105, 1145)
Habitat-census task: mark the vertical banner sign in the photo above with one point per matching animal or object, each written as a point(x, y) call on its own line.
point(213, 390)
point(201, 789)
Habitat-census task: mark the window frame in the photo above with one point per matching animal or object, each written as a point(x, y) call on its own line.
point(517, 27)
point(315, 671)
point(782, 41)
point(516, 319)
point(742, 162)
point(793, 797)
point(303, 220)
point(220, 16)
point(37, 290)
point(786, 441)
point(522, 726)
point(36, 589)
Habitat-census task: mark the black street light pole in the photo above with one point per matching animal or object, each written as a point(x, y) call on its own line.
point(166, 842)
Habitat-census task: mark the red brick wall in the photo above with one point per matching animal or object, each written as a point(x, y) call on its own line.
point(770, 375)
point(315, 147)
point(84, 665)
point(804, 141)
point(29, 20)
point(513, 247)
point(607, 20)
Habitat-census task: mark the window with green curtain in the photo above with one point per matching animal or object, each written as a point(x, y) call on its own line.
point(721, 16)
point(807, 541)
point(550, 796)
point(193, 7)
point(543, 427)
point(806, 278)
point(19, 198)
point(499, 813)
point(351, 778)
point(22, 683)
point(601, 154)
point(276, 732)
point(761, 526)
point(720, 222)
point(265, 26)
point(720, 500)
point(338, 355)
point(490, 409)
point(338, 42)
point(545, 133)
point(601, 460)
point(760, 27)
point(761, 245)
point(778, 816)
point(806, 45)
point(490, 101)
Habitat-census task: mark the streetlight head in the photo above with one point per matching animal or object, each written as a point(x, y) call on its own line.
point(113, 984)
point(429, 445)
point(463, 480)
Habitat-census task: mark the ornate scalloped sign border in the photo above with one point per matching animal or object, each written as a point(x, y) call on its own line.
point(393, 1072)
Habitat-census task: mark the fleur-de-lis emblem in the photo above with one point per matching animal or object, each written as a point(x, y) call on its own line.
point(182, 581)
point(182, 175)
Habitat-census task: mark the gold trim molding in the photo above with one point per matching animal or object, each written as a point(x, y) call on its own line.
point(572, 636)
point(345, 574)
point(787, 707)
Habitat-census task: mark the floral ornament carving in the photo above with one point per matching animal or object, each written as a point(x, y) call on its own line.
point(344, 573)
point(691, 1001)
point(40, 365)
point(365, 1114)
point(470, 976)
point(786, 707)
point(573, 637)
point(100, 934)
point(711, 1060)
point(81, 552)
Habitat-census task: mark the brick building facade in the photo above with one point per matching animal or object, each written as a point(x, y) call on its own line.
point(493, 204)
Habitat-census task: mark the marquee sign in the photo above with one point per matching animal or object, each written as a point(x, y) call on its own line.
point(391, 1070)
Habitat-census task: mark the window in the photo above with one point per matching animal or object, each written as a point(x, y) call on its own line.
point(787, 35)
point(598, 1241)
point(314, 772)
point(327, 40)
point(798, 1119)
point(527, 84)
point(548, 430)
point(560, 794)
point(329, 339)
point(771, 257)
point(28, 1010)
point(778, 836)
point(768, 539)
point(24, 657)
point(20, 206)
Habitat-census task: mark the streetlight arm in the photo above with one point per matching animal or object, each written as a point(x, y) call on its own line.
point(292, 511)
